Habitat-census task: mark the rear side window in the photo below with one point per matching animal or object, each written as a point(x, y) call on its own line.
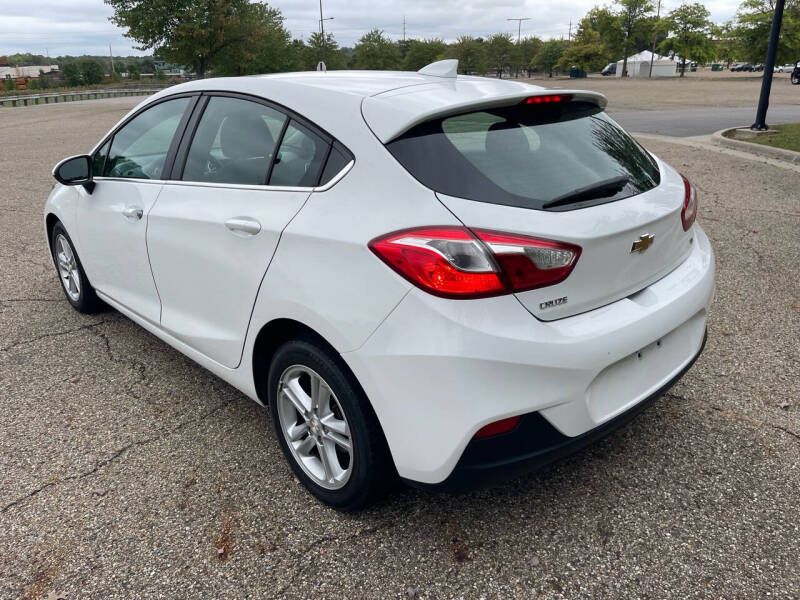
point(234, 142)
point(528, 156)
point(338, 159)
point(299, 158)
point(140, 148)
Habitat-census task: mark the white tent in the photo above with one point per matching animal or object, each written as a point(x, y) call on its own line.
point(639, 65)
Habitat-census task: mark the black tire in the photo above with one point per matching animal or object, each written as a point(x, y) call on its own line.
point(372, 468)
point(795, 79)
point(87, 301)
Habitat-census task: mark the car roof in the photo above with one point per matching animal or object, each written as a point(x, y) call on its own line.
point(391, 102)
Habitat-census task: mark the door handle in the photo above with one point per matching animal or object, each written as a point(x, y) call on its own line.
point(243, 225)
point(132, 212)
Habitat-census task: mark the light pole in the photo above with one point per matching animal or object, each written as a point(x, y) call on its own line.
point(322, 28)
point(655, 37)
point(519, 25)
point(769, 66)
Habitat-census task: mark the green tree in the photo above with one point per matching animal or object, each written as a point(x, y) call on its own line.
point(470, 53)
point(72, 74)
point(312, 53)
point(586, 52)
point(499, 51)
point(633, 16)
point(525, 51)
point(91, 71)
point(376, 51)
point(549, 55)
point(267, 51)
point(689, 34)
point(10, 85)
point(423, 52)
point(752, 32)
point(199, 33)
point(726, 43)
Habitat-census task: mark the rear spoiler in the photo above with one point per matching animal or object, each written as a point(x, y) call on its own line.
point(393, 113)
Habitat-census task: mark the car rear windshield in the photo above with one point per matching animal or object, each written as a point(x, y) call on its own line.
point(560, 156)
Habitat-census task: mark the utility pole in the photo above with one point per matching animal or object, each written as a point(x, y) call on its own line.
point(766, 81)
point(404, 28)
point(322, 29)
point(519, 25)
point(569, 35)
point(655, 37)
point(111, 55)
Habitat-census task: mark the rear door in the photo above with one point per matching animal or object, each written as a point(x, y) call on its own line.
point(242, 174)
point(563, 171)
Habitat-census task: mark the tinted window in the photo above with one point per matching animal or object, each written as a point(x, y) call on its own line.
point(99, 160)
point(234, 142)
point(526, 156)
point(299, 158)
point(140, 148)
point(337, 160)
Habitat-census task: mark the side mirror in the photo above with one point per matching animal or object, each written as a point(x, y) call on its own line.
point(75, 170)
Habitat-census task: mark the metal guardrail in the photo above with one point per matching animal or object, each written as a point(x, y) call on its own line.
point(71, 96)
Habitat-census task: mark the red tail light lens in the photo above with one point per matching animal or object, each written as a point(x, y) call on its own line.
point(689, 210)
point(528, 262)
point(454, 262)
point(548, 99)
point(496, 428)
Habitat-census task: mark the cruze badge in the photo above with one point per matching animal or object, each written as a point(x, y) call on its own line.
point(552, 303)
point(643, 243)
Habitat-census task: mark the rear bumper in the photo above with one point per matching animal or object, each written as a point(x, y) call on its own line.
point(438, 370)
point(534, 443)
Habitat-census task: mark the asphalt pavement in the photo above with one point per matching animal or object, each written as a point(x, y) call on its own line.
point(694, 121)
point(127, 471)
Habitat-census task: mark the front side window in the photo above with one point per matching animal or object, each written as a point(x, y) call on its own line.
point(99, 160)
point(553, 158)
point(140, 148)
point(234, 142)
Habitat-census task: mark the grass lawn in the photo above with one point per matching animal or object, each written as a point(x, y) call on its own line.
point(788, 137)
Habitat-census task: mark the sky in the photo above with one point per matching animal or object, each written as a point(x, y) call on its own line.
point(58, 27)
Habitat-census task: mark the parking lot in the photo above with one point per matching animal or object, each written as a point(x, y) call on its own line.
point(126, 471)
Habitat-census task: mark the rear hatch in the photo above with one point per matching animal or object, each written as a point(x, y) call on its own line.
point(556, 168)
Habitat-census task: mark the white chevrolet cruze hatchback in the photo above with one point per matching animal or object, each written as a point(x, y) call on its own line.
point(450, 279)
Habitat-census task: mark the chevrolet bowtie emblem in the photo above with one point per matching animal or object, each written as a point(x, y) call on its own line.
point(643, 243)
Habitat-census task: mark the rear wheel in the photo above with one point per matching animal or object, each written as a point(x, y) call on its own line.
point(76, 286)
point(795, 78)
point(326, 427)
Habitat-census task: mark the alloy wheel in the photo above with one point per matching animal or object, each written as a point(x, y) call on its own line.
point(68, 267)
point(315, 427)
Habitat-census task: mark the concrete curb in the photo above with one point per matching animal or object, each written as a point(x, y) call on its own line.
point(789, 156)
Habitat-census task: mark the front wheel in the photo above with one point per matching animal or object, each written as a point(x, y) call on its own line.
point(795, 78)
point(326, 426)
point(76, 286)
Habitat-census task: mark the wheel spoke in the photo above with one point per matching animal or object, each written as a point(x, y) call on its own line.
point(339, 440)
point(327, 464)
point(295, 393)
point(331, 422)
point(305, 446)
point(75, 281)
point(297, 431)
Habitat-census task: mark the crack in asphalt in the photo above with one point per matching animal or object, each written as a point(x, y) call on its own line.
point(324, 540)
point(115, 455)
point(42, 336)
point(735, 414)
point(136, 365)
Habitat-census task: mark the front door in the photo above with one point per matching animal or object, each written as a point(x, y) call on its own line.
point(112, 220)
point(212, 234)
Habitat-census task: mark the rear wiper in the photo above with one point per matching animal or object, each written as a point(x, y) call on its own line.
point(601, 189)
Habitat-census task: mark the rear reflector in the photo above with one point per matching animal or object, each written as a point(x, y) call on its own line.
point(548, 99)
point(455, 262)
point(498, 427)
point(689, 210)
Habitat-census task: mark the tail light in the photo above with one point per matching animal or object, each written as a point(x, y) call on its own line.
point(455, 262)
point(689, 210)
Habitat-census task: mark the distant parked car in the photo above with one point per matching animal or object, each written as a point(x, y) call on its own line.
point(758, 67)
point(609, 69)
point(784, 68)
point(742, 67)
point(796, 74)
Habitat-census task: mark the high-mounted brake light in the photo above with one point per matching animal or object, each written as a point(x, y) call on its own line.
point(548, 99)
point(455, 262)
point(689, 210)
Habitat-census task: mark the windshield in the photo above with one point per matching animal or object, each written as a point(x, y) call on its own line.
point(528, 156)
